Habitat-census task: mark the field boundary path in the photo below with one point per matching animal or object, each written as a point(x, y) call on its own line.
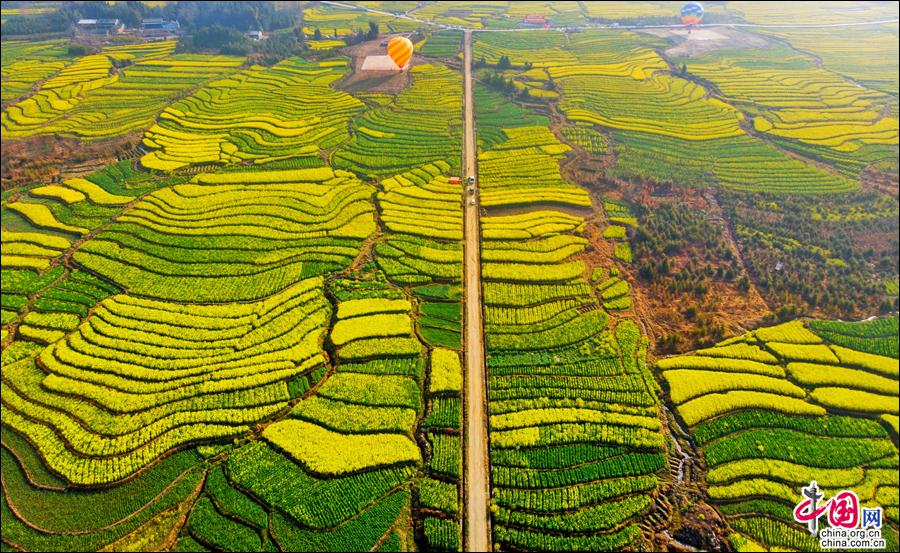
point(476, 478)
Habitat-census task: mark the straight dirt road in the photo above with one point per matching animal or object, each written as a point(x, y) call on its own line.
point(476, 477)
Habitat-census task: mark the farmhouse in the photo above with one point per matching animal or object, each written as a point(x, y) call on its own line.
point(99, 27)
point(156, 26)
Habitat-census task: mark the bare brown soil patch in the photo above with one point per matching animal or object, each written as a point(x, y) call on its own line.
point(686, 314)
point(381, 82)
point(45, 158)
point(586, 170)
point(666, 312)
point(880, 181)
point(698, 527)
point(650, 194)
point(707, 39)
point(600, 250)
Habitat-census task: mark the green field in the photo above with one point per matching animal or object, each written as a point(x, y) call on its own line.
point(768, 409)
point(234, 275)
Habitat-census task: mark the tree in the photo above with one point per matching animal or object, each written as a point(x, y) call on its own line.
point(788, 312)
point(121, 63)
point(669, 343)
point(504, 63)
point(193, 15)
point(78, 50)
point(528, 65)
point(481, 62)
point(357, 37)
point(278, 47)
point(317, 34)
point(55, 22)
point(683, 69)
point(226, 40)
point(373, 31)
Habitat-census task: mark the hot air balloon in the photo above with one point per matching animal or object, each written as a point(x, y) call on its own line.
point(691, 13)
point(400, 49)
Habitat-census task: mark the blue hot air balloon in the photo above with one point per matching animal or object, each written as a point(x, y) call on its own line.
point(691, 13)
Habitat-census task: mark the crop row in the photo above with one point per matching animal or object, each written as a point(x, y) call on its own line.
point(566, 411)
point(668, 128)
point(801, 102)
point(86, 101)
point(85, 519)
point(133, 381)
point(259, 115)
point(422, 214)
point(177, 239)
point(420, 127)
point(770, 407)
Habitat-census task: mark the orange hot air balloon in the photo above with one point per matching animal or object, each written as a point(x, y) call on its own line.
point(400, 49)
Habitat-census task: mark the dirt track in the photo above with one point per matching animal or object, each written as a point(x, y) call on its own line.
point(476, 525)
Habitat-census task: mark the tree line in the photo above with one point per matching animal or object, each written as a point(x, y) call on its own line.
point(191, 15)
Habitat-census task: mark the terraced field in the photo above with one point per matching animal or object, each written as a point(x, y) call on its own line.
point(510, 15)
point(217, 303)
point(43, 222)
point(442, 44)
point(346, 452)
point(575, 439)
point(631, 11)
point(471, 15)
point(24, 63)
point(247, 333)
point(831, 118)
point(90, 98)
point(98, 408)
point(537, 153)
point(775, 408)
point(257, 115)
point(421, 250)
point(423, 123)
point(337, 21)
point(662, 126)
point(175, 243)
point(864, 57)
point(541, 48)
point(776, 13)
